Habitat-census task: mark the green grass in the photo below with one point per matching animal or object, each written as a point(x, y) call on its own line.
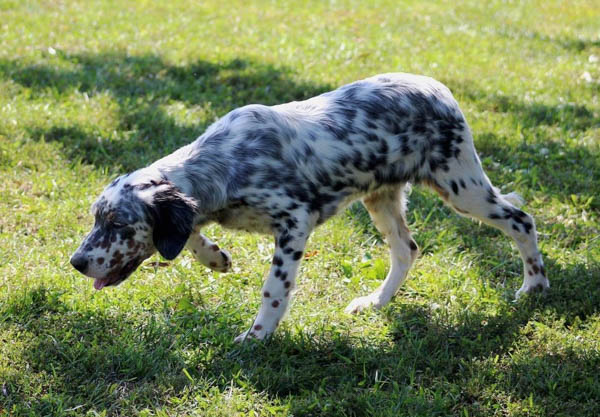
point(91, 89)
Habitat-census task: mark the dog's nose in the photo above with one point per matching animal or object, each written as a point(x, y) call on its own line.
point(79, 262)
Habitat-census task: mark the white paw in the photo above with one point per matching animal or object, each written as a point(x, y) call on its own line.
point(540, 283)
point(224, 264)
point(257, 332)
point(214, 258)
point(362, 303)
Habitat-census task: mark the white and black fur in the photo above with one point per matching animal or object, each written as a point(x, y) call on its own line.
point(286, 169)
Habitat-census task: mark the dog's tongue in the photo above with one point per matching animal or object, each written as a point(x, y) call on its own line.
point(100, 283)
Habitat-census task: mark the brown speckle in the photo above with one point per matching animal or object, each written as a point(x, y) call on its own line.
point(536, 269)
point(275, 304)
point(529, 272)
point(117, 258)
point(267, 294)
point(258, 327)
point(529, 261)
point(287, 284)
point(214, 247)
point(213, 264)
point(100, 261)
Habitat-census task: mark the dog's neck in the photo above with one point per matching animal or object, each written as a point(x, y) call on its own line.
point(199, 177)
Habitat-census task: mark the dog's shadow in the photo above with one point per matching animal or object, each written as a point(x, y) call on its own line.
point(103, 359)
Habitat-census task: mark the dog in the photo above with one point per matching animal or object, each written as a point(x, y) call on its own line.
point(286, 169)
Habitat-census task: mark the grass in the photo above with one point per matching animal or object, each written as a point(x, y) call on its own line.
point(91, 89)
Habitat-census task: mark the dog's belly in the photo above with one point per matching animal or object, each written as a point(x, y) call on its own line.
point(245, 218)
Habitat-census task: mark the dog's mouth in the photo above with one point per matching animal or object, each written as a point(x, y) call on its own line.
point(115, 278)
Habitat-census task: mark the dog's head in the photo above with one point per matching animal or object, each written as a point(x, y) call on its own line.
point(135, 215)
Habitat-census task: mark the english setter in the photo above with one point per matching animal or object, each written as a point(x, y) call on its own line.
point(286, 169)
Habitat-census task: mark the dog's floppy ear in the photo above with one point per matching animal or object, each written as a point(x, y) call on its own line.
point(173, 221)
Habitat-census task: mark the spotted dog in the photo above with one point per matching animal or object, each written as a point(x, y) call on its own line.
point(286, 169)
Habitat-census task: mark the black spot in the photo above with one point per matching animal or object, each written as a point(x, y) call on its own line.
point(277, 272)
point(357, 160)
point(462, 183)
point(515, 227)
point(413, 245)
point(279, 214)
point(520, 213)
point(284, 240)
point(454, 187)
point(277, 261)
point(494, 216)
point(383, 147)
point(372, 137)
point(338, 186)
point(508, 212)
point(114, 183)
point(527, 226)
point(491, 196)
point(323, 177)
point(283, 276)
point(297, 255)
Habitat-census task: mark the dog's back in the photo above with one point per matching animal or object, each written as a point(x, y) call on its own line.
point(389, 129)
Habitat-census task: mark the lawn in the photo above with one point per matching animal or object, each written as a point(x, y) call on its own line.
point(93, 89)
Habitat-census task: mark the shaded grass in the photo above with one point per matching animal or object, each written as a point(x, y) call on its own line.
point(92, 89)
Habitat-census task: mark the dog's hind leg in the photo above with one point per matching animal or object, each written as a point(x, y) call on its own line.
point(208, 253)
point(386, 208)
point(465, 187)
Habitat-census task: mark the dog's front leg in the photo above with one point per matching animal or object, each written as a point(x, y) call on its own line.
point(208, 252)
point(277, 289)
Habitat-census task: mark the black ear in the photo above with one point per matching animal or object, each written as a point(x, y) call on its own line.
point(173, 221)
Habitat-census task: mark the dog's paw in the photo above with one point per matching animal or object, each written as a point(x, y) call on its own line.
point(223, 264)
point(362, 303)
point(257, 333)
point(213, 257)
point(540, 284)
